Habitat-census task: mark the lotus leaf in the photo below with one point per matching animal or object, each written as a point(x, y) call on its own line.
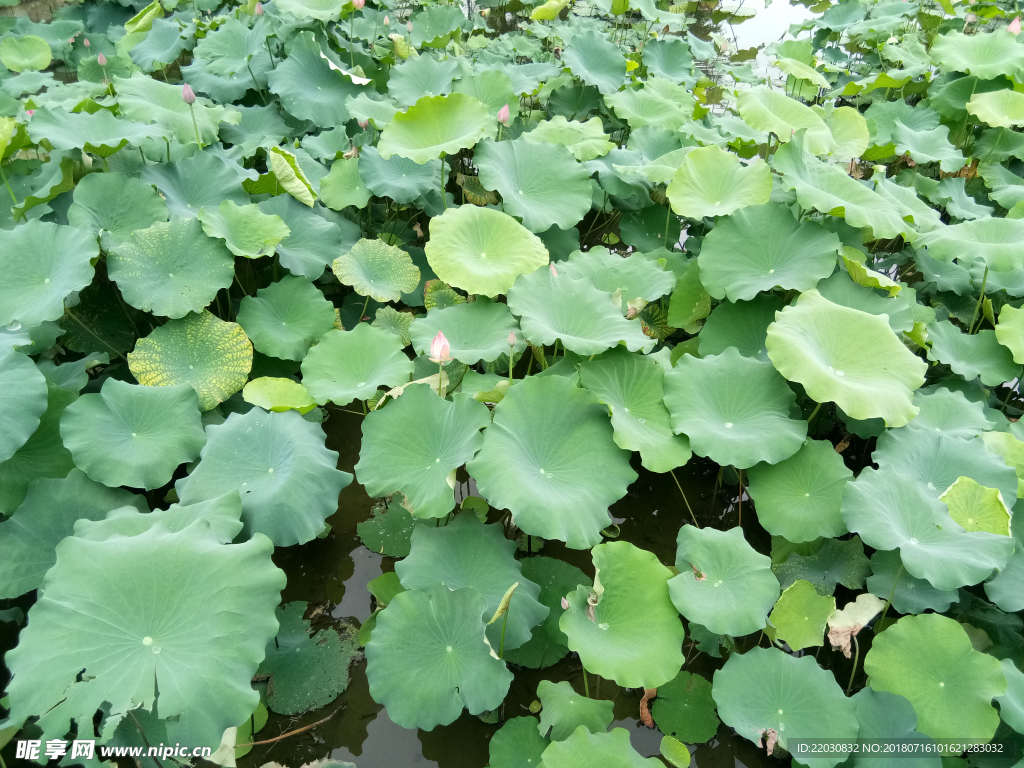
point(836, 562)
point(583, 748)
point(421, 76)
point(1011, 704)
point(685, 708)
point(761, 247)
point(475, 332)
point(556, 579)
point(549, 458)
point(114, 206)
point(378, 270)
point(47, 515)
point(278, 394)
point(147, 640)
point(846, 356)
point(222, 513)
point(734, 409)
point(632, 278)
point(212, 356)
point(540, 183)
point(343, 187)
point(800, 498)
point(286, 317)
point(146, 100)
point(976, 508)
point(564, 711)
point(24, 53)
point(586, 140)
point(321, 10)
point(203, 180)
point(245, 229)
point(133, 435)
point(100, 133)
point(429, 657)
point(399, 178)
point(22, 400)
point(389, 532)
point(991, 239)
point(979, 355)
point(436, 126)
point(929, 660)
point(909, 594)
point(313, 241)
point(170, 268)
point(800, 615)
point(346, 365)
point(40, 264)
point(713, 182)
point(517, 744)
point(280, 466)
point(884, 715)
point(985, 56)
point(769, 110)
point(308, 87)
point(1001, 109)
point(1005, 589)
point(595, 60)
point(743, 325)
point(951, 413)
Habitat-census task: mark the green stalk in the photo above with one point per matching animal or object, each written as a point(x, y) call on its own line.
point(351, 41)
point(440, 376)
point(195, 125)
point(258, 89)
point(981, 298)
point(586, 685)
point(856, 658)
point(680, 487)
point(892, 592)
point(92, 333)
point(444, 198)
point(8, 185)
point(366, 304)
point(668, 218)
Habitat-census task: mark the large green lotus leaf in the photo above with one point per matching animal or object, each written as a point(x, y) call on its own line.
point(632, 386)
point(147, 100)
point(245, 229)
point(951, 413)
point(100, 133)
point(482, 250)
point(765, 109)
point(412, 445)
point(584, 749)
point(1010, 331)
point(573, 311)
point(42, 455)
point(648, 107)
point(281, 468)
point(828, 189)
point(468, 554)
point(995, 240)
point(841, 289)
point(763, 247)
point(378, 270)
point(1006, 589)
point(936, 460)
point(685, 709)
point(800, 615)
point(25, 53)
point(211, 355)
point(1008, 448)
point(633, 634)
point(343, 187)
point(308, 87)
point(734, 409)
point(428, 658)
point(556, 578)
point(433, 26)
point(307, 670)
point(910, 594)
point(985, 56)
point(321, 10)
point(586, 140)
point(928, 147)
point(1002, 108)
point(476, 332)
point(390, 319)
point(540, 183)
point(723, 584)
point(743, 325)
point(132, 435)
point(346, 365)
point(314, 241)
point(436, 126)
point(420, 76)
point(848, 357)
point(886, 716)
point(22, 400)
point(550, 459)
point(890, 511)
point(836, 562)
point(278, 394)
point(669, 58)
point(285, 318)
point(399, 178)
point(202, 180)
point(48, 514)
point(170, 268)
point(517, 744)
point(765, 692)
point(113, 206)
point(40, 264)
point(929, 660)
point(972, 356)
point(800, 498)
point(162, 44)
point(222, 513)
point(595, 60)
point(631, 277)
point(563, 711)
point(713, 182)
point(976, 508)
point(369, 106)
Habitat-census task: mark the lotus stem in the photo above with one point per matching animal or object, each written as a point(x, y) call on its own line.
point(8, 185)
point(739, 475)
point(668, 218)
point(92, 333)
point(351, 41)
point(106, 168)
point(892, 592)
point(145, 741)
point(586, 685)
point(511, 364)
point(195, 125)
point(440, 379)
point(981, 297)
point(813, 414)
point(680, 487)
point(444, 198)
point(856, 658)
point(366, 305)
point(259, 90)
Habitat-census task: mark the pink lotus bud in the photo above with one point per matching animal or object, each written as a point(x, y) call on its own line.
point(551, 266)
point(364, 124)
point(440, 349)
point(359, 4)
point(101, 60)
point(86, 42)
point(71, 41)
point(30, 112)
point(188, 95)
point(504, 115)
point(511, 338)
point(565, 604)
point(259, 9)
point(1014, 26)
point(386, 20)
point(408, 26)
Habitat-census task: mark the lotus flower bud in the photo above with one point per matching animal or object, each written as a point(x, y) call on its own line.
point(551, 266)
point(1014, 26)
point(30, 112)
point(188, 95)
point(386, 20)
point(86, 42)
point(504, 115)
point(970, 18)
point(259, 9)
point(511, 338)
point(565, 604)
point(364, 124)
point(101, 60)
point(440, 349)
point(71, 41)
point(408, 26)
point(359, 4)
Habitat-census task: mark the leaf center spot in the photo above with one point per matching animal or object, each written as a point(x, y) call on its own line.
point(728, 425)
point(483, 254)
point(170, 274)
point(942, 685)
point(190, 367)
point(771, 271)
point(449, 649)
point(806, 495)
point(147, 640)
point(437, 460)
point(780, 711)
point(913, 541)
point(135, 434)
point(270, 471)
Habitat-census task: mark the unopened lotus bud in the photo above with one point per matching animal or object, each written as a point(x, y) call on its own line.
point(188, 95)
point(364, 124)
point(101, 60)
point(1014, 26)
point(565, 604)
point(511, 338)
point(408, 26)
point(71, 41)
point(30, 112)
point(386, 20)
point(504, 115)
point(86, 42)
point(970, 18)
point(551, 266)
point(259, 9)
point(440, 349)
point(359, 4)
